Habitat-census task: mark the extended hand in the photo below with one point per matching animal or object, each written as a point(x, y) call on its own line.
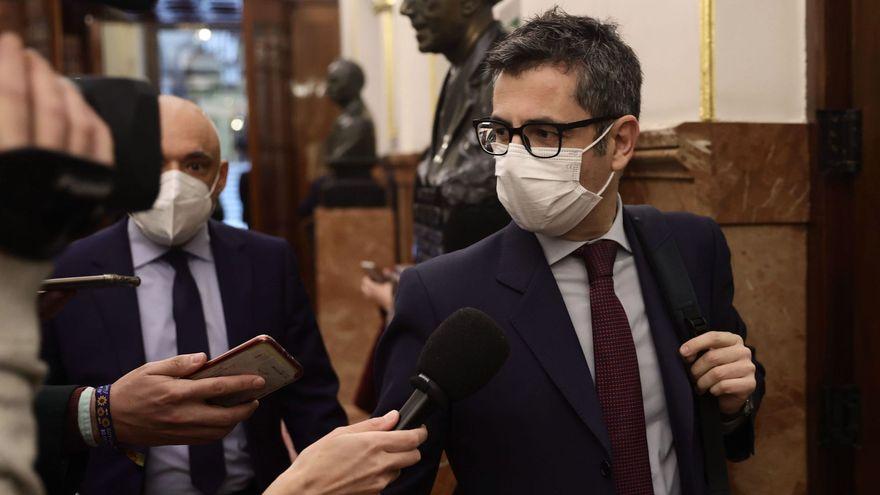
point(380, 293)
point(153, 405)
point(725, 370)
point(359, 459)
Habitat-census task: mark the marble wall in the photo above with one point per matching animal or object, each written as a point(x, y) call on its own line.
point(348, 322)
point(769, 266)
point(753, 179)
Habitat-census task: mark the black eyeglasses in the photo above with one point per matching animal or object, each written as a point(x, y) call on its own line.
point(541, 139)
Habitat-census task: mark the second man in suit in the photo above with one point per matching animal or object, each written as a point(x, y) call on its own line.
point(205, 287)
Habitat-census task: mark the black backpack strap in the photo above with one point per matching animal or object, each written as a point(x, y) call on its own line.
point(681, 302)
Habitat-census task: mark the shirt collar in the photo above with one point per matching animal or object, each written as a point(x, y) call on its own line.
point(557, 248)
point(144, 251)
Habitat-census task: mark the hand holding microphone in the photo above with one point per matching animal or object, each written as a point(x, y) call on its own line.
point(458, 359)
point(359, 459)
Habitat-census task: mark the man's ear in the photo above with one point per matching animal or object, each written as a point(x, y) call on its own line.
point(221, 181)
point(625, 135)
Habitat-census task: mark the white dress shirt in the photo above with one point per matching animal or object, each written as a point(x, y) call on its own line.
point(570, 273)
point(167, 467)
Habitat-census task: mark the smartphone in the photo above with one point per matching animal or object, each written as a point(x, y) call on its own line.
point(90, 282)
point(373, 271)
point(262, 356)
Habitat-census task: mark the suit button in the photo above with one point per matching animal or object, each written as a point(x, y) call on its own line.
point(605, 469)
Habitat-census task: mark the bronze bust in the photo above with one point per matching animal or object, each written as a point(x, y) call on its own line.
point(350, 149)
point(455, 200)
point(352, 139)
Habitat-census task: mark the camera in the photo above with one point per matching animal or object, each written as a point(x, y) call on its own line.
point(47, 199)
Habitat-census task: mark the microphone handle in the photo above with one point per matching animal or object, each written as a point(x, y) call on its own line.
point(414, 411)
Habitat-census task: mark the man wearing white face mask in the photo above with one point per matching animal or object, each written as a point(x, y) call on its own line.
point(597, 394)
point(205, 288)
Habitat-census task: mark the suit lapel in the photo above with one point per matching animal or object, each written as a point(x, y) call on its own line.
point(679, 395)
point(118, 305)
point(542, 322)
point(235, 279)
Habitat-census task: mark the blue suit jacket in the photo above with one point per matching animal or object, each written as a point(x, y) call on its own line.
point(537, 426)
point(97, 338)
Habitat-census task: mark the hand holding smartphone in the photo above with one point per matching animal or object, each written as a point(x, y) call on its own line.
point(372, 271)
point(262, 356)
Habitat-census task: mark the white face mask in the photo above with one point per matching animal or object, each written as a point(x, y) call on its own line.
point(544, 195)
point(183, 206)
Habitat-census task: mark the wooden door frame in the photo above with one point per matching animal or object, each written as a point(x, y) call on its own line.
point(840, 341)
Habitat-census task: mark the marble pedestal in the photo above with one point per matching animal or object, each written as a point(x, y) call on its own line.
point(349, 323)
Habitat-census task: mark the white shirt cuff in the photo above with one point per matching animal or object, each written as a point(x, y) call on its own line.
point(84, 416)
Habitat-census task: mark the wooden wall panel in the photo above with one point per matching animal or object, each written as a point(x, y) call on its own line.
point(844, 239)
point(38, 22)
point(267, 61)
point(288, 46)
point(314, 26)
point(403, 169)
point(866, 238)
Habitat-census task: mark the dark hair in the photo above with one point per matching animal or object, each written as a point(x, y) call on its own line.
point(609, 77)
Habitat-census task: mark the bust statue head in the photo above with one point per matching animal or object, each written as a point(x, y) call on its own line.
point(345, 80)
point(449, 27)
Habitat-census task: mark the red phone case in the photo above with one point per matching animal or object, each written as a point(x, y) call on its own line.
point(275, 378)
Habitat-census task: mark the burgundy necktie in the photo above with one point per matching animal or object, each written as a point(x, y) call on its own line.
point(617, 374)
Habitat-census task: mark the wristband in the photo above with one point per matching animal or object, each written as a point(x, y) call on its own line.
point(102, 413)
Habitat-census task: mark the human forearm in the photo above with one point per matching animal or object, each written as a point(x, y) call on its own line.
point(359, 459)
point(20, 373)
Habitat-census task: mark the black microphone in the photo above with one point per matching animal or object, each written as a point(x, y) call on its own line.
point(458, 359)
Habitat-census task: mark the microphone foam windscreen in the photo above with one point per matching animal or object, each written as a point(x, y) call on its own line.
point(464, 353)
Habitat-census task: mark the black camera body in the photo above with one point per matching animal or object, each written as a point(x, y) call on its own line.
point(47, 199)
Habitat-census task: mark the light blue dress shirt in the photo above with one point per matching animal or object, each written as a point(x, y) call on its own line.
point(570, 273)
point(167, 467)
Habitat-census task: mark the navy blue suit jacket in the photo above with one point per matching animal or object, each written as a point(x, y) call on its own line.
point(537, 426)
point(97, 338)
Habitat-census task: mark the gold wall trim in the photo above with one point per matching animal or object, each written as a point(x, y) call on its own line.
point(385, 10)
point(707, 60)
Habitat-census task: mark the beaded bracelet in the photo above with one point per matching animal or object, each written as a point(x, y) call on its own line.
point(102, 412)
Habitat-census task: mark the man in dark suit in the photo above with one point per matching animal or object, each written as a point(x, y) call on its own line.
point(596, 395)
point(205, 288)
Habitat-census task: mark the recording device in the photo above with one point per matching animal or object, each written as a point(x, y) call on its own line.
point(90, 282)
point(458, 359)
point(48, 199)
point(262, 356)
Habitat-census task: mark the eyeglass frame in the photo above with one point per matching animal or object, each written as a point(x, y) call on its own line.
point(514, 131)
